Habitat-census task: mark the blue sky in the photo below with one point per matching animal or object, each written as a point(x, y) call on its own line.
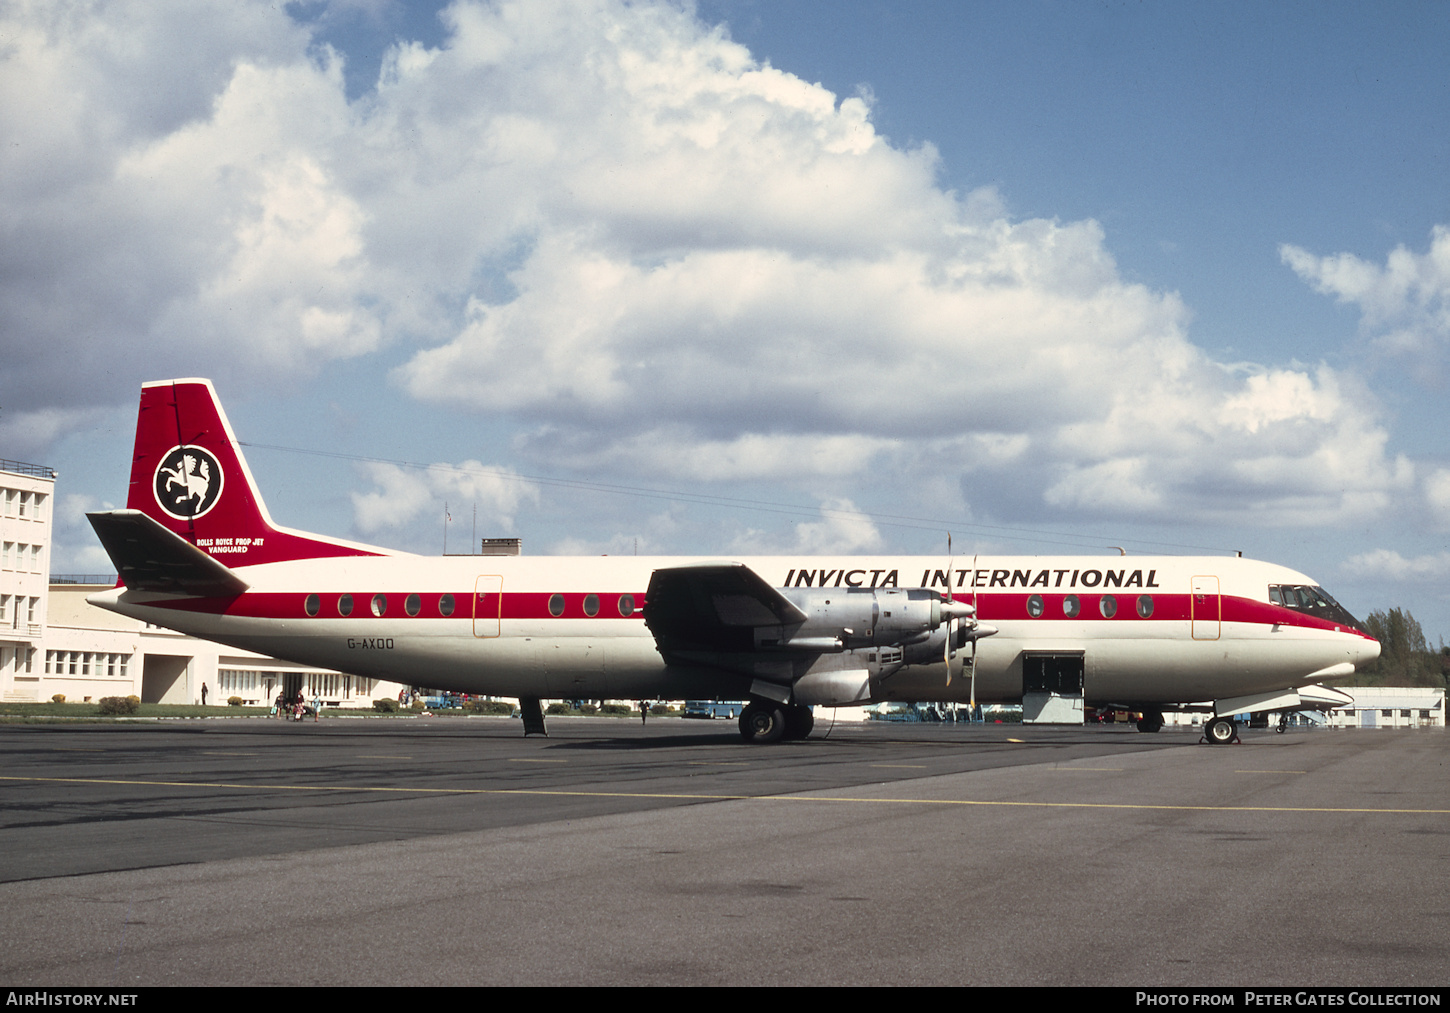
point(1053, 276)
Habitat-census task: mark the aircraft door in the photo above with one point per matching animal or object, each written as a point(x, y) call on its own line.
point(1205, 608)
point(487, 605)
point(1052, 688)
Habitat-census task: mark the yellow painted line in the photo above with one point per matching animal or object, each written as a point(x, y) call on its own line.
point(700, 797)
point(1016, 740)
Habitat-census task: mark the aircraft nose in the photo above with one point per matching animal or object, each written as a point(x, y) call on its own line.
point(1369, 650)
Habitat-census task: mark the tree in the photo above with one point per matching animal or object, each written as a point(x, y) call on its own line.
point(1405, 656)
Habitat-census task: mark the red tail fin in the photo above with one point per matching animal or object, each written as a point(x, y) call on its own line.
point(189, 475)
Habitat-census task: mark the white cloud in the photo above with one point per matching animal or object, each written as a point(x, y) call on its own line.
point(1388, 565)
point(403, 495)
point(614, 226)
point(842, 529)
point(1405, 303)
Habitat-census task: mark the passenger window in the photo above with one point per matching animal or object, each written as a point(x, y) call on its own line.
point(445, 606)
point(413, 604)
point(344, 605)
point(626, 605)
point(1071, 606)
point(313, 605)
point(556, 605)
point(1108, 606)
point(1034, 606)
point(1145, 606)
point(380, 604)
point(591, 605)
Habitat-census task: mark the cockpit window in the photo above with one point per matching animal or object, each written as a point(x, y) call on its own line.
point(1314, 600)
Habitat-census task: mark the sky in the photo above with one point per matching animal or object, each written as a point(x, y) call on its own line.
point(747, 277)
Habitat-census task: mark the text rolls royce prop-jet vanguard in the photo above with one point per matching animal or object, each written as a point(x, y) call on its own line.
point(196, 551)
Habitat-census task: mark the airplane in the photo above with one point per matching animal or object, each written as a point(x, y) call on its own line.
point(195, 550)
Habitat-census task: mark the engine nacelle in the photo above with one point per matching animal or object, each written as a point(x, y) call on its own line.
point(839, 619)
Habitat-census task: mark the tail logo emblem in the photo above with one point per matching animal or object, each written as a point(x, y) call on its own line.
point(188, 482)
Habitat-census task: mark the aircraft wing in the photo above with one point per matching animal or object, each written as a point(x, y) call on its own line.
point(148, 557)
point(713, 608)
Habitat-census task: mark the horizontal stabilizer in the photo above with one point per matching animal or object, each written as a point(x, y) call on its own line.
point(148, 557)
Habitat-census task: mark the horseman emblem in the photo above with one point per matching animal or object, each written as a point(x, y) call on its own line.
point(188, 482)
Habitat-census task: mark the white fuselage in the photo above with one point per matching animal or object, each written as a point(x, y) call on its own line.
point(1210, 631)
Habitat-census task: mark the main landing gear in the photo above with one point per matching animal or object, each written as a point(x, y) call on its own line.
point(1151, 721)
point(764, 721)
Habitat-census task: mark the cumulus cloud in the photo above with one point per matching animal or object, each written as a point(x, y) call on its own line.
point(842, 529)
point(612, 225)
point(1388, 565)
point(403, 495)
point(1405, 304)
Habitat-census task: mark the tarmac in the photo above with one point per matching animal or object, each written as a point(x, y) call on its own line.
point(455, 851)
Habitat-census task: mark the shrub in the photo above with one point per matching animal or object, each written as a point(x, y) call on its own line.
point(234, 701)
point(58, 698)
point(557, 708)
point(491, 707)
point(616, 708)
point(120, 704)
point(385, 705)
point(588, 708)
point(417, 705)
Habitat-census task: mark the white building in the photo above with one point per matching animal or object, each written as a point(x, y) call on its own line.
point(52, 641)
point(1390, 707)
point(26, 499)
point(91, 653)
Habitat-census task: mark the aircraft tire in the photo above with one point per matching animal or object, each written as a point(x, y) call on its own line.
point(1220, 731)
point(799, 721)
point(1151, 721)
point(762, 724)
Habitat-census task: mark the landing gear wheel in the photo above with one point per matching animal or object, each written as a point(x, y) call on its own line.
point(1151, 721)
point(762, 723)
point(1220, 731)
point(1283, 724)
point(798, 722)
